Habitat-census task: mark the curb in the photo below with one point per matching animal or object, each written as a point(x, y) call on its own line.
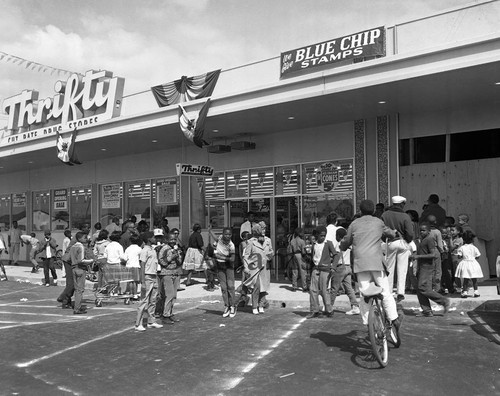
point(461, 305)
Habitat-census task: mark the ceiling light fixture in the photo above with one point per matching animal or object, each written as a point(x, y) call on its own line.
point(291, 118)
point(154, 141)
point(103, 149)
point(382, 102)
point(215, 130)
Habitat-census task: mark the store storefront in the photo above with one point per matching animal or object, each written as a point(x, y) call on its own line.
point(314, 130)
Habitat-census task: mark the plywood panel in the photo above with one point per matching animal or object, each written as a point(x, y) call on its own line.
point(471, 187)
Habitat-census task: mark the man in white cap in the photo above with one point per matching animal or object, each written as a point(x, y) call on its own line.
point(398, 248)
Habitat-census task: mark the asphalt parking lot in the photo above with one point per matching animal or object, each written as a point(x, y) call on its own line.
point(50, 351)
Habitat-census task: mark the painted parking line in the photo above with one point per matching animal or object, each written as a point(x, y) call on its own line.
point(19, 291)
point(260, 355)
point(96, 339)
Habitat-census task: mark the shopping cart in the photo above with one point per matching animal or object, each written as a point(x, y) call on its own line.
point(114, 275)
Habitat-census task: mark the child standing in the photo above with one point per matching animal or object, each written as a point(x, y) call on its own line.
point(35, 245)
point(132, 254)
point(468, 268)
point(149, 261)
point(455, 243)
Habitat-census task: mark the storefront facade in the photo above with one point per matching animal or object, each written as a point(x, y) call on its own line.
point(322, 138)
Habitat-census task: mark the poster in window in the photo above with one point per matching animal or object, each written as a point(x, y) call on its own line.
point(19, 200)
point(166, 191)
point(61, 199)
point(111, 196)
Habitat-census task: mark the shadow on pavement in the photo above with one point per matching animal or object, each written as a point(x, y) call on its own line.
point(486, 324)
point(355, 343)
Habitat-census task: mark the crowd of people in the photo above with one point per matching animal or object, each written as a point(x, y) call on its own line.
point(398, 250)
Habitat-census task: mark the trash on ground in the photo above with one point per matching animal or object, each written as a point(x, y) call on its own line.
point(23, 299)
point(286, 375)
point(222, 325)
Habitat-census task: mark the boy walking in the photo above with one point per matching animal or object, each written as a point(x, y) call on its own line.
point(426, 252)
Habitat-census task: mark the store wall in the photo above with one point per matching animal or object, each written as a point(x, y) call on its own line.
point(470, 187)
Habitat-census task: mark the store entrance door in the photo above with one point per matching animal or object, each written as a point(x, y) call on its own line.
point(286, 214)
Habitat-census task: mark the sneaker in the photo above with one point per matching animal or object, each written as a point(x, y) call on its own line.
point(232, 312)
point(396, 326)
point(172, 319)
point(476, 294)
point(226, 312)
point(354, 311)
point(446, 291)
point(447, 305)
point(55, 282)
point(400, 298)
point(80, 312)
point(313, 315)
point(261, 310)
point(47, 285)
point(464, 294)
point(255, 311)
point(424, 315)
point(140, 328)
point(155, 325)
point(329, 314)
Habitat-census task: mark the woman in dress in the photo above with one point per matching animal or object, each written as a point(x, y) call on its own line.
point(256, 257)
point(194, 255)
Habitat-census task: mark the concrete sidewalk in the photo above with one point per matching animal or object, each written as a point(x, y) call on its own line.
point(281, 293)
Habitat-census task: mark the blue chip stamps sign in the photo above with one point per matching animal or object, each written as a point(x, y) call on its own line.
point(358, 45)
point(194, 170)
point(327, 176)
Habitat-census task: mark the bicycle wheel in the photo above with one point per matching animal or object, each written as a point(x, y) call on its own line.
point(376, 329)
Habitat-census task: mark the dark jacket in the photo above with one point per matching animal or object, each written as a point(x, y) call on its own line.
point(396, 219)
point(43, 247)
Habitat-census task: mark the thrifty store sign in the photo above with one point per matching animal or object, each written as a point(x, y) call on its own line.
point(80, 102)
point(367, 43)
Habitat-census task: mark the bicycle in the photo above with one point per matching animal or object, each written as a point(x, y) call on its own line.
point(379, 326)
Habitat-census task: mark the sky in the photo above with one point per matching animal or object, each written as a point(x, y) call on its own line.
point(150, 42)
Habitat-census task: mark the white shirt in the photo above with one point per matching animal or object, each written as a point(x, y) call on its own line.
point(114, 253)
point(331, 235)
point(318, 252)
point(132, 254)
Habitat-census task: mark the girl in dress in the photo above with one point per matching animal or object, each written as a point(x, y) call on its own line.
point(468, 269)
point(194, 260)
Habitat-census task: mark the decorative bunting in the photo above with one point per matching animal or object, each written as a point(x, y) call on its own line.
point(66, 151)
point(193, 129)
point(186, 89)
point(30, 65)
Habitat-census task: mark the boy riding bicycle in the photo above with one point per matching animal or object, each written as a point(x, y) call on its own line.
point(364, 234)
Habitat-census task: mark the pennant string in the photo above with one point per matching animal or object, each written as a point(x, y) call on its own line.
point(31, 65)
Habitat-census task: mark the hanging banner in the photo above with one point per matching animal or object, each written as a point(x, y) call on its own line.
point(367, 43)
point(111, 196)
point(166, 191)
point(61, 199)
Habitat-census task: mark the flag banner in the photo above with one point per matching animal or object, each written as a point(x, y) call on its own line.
point(30, 65)
point(186, 89)
point(66, 150)
point(193, 129)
